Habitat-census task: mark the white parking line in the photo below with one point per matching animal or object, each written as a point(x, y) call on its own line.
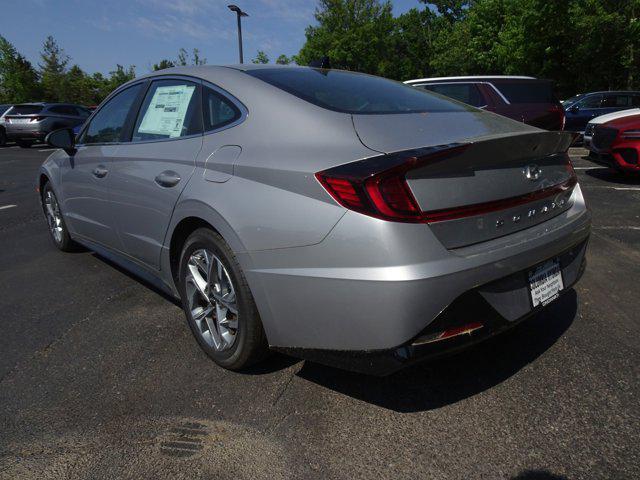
point(4, 207)
point(587, 168)
point(622, 227)
point(632, 189)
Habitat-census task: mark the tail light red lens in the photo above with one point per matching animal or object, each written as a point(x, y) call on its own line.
point(377, 186)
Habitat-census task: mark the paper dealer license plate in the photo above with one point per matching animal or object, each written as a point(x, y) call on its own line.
point(545, 282)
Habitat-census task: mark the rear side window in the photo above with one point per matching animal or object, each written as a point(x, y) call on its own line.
point(108, 122)
point(4, 108)
point(615, 100)
point(171, 109)
point(463, 92)
point(355, 93)
point(526, 91)
point(592, 101)
point(218, 111)
point(635, 101)
point(25, 109)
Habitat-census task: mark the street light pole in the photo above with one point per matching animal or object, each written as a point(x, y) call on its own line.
point(239, 15)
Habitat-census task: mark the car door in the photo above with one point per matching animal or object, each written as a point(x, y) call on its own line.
point(580, 113)
point(151, 170)
point(85, 176)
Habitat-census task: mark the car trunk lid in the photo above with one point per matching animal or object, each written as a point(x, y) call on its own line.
point(493, 183)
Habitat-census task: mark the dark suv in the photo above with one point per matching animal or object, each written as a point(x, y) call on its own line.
point(525, 99)
point(582, 108)
point(29, 123)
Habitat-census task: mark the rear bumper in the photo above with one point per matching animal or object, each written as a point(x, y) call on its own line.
point(376, 286)
point(472, 305)
point(35, 132)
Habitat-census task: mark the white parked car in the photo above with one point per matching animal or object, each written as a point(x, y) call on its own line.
point(591, 126)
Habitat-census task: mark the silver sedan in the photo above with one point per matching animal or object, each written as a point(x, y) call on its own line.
point(335, 216)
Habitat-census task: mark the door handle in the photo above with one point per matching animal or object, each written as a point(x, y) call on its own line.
point(100, 171)
point(167, 179)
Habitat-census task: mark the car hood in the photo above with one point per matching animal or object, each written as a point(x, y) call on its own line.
point(615, 115)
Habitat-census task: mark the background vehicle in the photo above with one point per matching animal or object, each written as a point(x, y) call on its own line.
point(3, 133)
point(525, 99)
point(28, 123)
point(310, 233)
point(587, 106)
point(589, 129)
point(616, 143)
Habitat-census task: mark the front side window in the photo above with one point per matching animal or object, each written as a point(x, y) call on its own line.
point(108, 123)
point(171, 109)
point(592, 101)
point(463, 92)
point(355, 93)
point(218, 111)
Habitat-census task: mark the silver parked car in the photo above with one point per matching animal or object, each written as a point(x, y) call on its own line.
point(335, 216)
point(29, 123)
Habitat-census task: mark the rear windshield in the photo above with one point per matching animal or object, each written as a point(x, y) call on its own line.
point(25, 109)
point(527, 92)
point(356, 93)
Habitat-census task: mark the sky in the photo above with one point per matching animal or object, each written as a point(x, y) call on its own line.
point(97, 35)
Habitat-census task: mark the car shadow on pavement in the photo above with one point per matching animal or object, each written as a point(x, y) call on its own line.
point(448, 380)
point(613, 176)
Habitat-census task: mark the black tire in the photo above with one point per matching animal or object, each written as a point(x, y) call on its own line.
point(3, 137)
point(250, 344)
point(64, 243)
point(24, 143)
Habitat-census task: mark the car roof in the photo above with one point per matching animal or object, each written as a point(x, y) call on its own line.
point(472, 77)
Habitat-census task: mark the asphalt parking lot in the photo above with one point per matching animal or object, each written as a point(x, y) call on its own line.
point(100, 376)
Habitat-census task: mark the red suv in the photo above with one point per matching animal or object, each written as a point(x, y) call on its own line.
point(525, 99)
point(617, 143)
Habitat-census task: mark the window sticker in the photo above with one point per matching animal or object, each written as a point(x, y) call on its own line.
point(167, 110)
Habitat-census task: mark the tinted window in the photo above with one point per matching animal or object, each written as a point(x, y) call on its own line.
point(63, 110)
point(592, 101)
point(107, 125)
point(171, 109)
point(613, 101)
point(526, 91)
point(4, 108)
point(350, 92)
point(635, 101)
point(25, 110)
point(218, 111)
point(463, 92)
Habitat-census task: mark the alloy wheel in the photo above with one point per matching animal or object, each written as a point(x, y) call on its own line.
point(211, 299)
point(54, 218)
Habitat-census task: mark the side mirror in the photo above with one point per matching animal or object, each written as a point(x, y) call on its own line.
point(64, 139)
point(574, 108)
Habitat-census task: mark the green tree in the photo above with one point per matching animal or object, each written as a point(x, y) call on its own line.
point(53, 68)
point(283, 60)
point(261, 57)
point(354, 34)
point(18, 78)
point(162, 64)
point(196, 59)
point(77, 87)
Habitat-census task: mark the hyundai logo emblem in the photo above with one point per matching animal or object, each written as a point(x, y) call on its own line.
point(532, 172)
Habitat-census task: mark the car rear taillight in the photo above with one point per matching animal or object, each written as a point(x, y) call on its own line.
point(377, 186)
